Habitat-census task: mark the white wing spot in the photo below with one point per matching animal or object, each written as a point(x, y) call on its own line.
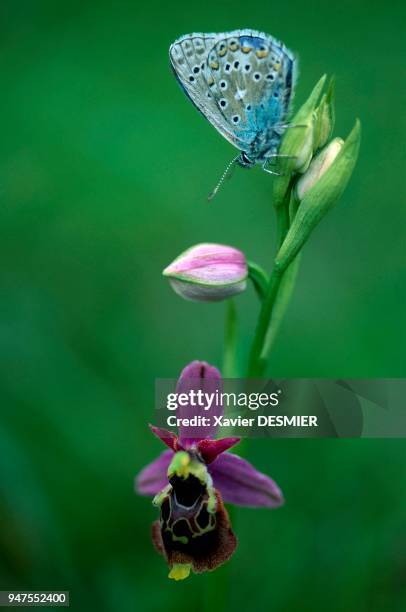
point(240, 93)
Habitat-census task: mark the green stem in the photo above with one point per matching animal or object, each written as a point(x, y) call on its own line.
point(259, 357)
point(282, 221)
point(281, 304)
point(230, 341)
point(259, 277)
point(256, 363)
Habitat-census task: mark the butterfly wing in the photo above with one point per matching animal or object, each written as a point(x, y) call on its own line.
point(189, 59)
point(242, 81)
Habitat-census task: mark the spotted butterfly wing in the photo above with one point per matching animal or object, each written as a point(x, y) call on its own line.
point(242, 81)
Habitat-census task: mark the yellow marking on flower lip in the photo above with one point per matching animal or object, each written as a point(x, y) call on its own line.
point(183, 465)
point(261, 54)
point(159, 497)
point(180, 571)
point(212, 501)
point(246, 49)
point(179, 464)
point(182, 539)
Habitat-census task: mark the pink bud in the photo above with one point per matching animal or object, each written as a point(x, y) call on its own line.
point(208, 273)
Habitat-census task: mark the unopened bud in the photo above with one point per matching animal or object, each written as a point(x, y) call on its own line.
point(318, 166)
point(208, 273)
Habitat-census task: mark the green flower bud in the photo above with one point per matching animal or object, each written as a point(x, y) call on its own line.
point(304, 157)
point(297, 143)
point(319, 197)
point(324, 118)
point(319, 165)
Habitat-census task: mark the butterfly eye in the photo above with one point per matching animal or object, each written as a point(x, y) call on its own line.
point(245, 158)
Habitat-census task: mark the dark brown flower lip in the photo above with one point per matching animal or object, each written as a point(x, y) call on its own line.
point(202, 543)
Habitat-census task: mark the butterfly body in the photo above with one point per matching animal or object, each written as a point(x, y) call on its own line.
point(242, 82)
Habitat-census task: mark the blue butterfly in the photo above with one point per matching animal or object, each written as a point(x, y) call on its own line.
point(242, 82)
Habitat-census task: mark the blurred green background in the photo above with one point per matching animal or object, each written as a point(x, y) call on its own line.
point(104, 171)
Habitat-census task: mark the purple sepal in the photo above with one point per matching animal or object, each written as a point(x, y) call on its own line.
point(153, 478)
point(198, 376)
point(167, 437)
point(241, 484)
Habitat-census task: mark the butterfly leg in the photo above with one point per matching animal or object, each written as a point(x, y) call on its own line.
point(285, 126)
point(264, 167)
point(281, 155)
point(275, 156)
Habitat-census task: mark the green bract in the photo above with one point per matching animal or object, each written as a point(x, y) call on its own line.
point(324, 118)
point(297, 143)
point(320, 198)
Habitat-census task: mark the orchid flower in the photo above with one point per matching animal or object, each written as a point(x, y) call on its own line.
point(190, 481)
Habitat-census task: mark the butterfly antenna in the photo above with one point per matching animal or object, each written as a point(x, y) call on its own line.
point(226, 175)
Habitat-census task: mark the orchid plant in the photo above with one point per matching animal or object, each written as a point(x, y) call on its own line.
point(190, 481)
